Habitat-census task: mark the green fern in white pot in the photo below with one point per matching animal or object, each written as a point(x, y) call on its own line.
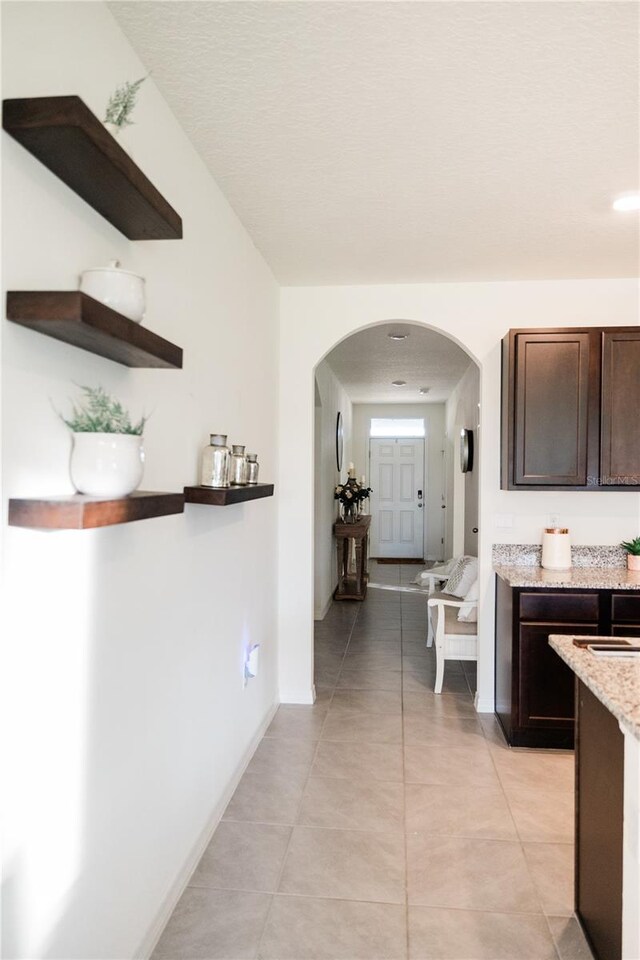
point(107, 459)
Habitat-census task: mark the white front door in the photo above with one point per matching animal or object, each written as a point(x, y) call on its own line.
point(396, 471)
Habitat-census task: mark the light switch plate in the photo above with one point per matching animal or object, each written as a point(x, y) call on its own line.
point(503, 521)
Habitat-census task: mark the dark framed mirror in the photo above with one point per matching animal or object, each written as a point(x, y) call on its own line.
point(466, 450)
point(339, 441)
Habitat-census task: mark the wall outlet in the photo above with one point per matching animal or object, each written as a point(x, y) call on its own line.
point(554, 519)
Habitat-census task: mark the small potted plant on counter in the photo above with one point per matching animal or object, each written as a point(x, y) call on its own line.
point(107, 459)
point(633, 553)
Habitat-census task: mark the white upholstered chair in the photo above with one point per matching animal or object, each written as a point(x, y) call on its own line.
point(432, 578)
point(454, 639)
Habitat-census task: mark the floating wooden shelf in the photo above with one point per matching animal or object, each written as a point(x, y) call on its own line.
point(78, 512)
point(79, 319)
point(223, 497)
point(70, 140)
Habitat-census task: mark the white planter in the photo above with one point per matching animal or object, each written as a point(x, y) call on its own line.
point(121, 290)
point(106, 464)
point(633, 562)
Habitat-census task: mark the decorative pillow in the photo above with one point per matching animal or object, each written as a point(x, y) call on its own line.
point(462, 576)
point(469, 612)
point(442, 569)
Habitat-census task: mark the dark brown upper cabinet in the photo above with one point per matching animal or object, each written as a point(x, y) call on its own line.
point(569, 409)
point(620, 427)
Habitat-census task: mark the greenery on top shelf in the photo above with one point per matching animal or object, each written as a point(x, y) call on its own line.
point(632, 546)
point(121, 104)
point(100, 413)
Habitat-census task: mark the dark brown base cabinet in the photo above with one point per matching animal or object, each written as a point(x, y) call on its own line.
point(599, 825)
point(534, 687)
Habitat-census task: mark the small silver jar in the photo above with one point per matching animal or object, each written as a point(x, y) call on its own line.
point(216, 462)
point(253, 467)
point(238, 466)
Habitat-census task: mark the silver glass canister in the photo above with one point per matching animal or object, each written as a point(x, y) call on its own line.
point(238, 466)
point(216, 462)
point(253, 467)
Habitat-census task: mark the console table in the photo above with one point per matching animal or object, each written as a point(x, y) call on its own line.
point(349, 587)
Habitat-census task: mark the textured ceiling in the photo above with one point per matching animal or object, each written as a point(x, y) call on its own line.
point(373, 142)
point(367, 362)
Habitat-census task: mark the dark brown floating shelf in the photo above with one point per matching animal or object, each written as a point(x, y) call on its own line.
point(78, 512)
point(70, 140)
point(217, 497)
point(79, 319)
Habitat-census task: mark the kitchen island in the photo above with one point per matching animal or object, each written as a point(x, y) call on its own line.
point(607, 878)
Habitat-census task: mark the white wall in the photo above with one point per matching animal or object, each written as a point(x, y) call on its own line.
point(332, 398)
point(124, 704)
point(433, 416)
point(476, 316)
point(463, 488)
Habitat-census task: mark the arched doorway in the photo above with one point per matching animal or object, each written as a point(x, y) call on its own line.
point(305, 344)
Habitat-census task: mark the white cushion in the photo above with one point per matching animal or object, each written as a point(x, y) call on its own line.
point(469, 612)
point(462, 577)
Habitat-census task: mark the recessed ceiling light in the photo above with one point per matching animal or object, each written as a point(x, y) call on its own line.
point(398, 383)
point(397, 336)
point(627, 201)
point(424, 390)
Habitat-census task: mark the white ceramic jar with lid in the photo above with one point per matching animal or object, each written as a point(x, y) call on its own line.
point(556, 549)
point(119, 289)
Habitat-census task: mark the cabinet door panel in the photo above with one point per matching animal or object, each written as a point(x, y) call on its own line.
point(620, 440)
point(625, 606)
point(552, 409)
point(546, 694)
point(539, 605)
point(624, 630)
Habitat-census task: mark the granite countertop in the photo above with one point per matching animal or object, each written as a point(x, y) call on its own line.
point(614, 681)
point(589, 578)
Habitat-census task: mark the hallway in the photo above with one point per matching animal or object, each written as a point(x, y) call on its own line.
point(384, 821)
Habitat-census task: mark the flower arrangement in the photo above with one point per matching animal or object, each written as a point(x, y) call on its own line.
point(351, 494)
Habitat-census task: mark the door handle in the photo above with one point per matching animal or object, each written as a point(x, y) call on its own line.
point(475, 530)
point(419, 506)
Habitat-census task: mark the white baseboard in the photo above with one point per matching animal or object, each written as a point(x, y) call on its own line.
point(321, 614)
point(181, 882)
point(483, 704)
point(305, 697)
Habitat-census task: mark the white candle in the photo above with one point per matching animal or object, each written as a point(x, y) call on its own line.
point(350, 467)
point(362, 480)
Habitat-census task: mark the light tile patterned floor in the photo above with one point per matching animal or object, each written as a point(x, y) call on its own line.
point(384, 821)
